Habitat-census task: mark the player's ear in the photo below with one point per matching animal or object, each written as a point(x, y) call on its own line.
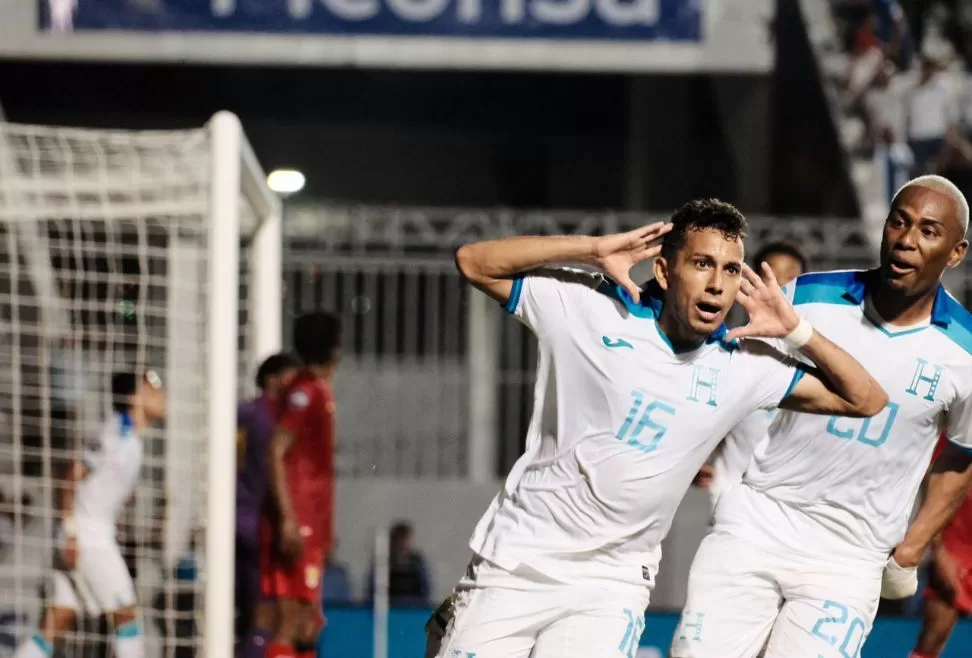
point(958, 253)
point(660, 269)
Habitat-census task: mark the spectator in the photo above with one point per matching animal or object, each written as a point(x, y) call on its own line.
point(931, 113)
point(891, 28)
point(882, 108)
point(408, 574)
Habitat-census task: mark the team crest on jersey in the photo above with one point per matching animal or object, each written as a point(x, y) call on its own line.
point(298, 400)
point(925, 380)
point(312, 577)
point(705, 385)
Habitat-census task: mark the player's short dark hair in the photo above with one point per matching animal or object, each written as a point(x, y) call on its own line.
point(700, 215)
point(316, 337)
point(124, 383)
point(782, 247)
point(274, 365)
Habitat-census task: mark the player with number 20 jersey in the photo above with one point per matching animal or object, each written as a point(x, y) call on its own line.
point(799, 553)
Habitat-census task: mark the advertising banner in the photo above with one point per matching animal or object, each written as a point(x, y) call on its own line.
point(630, 20)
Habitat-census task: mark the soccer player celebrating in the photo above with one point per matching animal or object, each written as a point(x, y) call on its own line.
point(91, 574)
point(634, 389)
point(297, 525)
point(817, 532)
point(949, 592)
point(786, 262)
point(255, 423)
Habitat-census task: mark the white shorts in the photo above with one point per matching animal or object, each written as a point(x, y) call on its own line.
point(742, 598)
point(558, 622)
point(100, 584)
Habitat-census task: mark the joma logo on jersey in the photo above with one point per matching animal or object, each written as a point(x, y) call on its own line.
point(614, 343)
point(926, 375)
point(705, 384)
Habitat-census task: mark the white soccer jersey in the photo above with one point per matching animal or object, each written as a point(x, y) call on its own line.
point(847, 486)
point(621, 424)
point(113, 460)
point(732, 456)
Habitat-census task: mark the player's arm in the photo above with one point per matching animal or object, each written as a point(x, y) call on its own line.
point(298, 404)
point(76, 471)
point(492, 265)
point(280, 444)
point(838, 385)
point(946, 486)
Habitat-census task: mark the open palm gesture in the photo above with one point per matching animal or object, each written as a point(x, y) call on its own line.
point(616, 254)
point(771, 314)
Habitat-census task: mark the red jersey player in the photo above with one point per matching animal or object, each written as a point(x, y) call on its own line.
point(296, 528)
point(949, 591)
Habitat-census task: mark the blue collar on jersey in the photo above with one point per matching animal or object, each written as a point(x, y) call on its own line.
point(650, 308)
point(125, 424)
point(866, 280)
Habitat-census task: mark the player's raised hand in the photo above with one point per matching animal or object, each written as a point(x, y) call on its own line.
point(616, 254)
point(771, 314)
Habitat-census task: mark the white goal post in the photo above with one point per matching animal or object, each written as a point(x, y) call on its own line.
point(122, 249)
point(235, 173)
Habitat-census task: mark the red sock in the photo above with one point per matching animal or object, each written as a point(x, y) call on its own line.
point(916, 654)
point(278, 650)
point(308, 654)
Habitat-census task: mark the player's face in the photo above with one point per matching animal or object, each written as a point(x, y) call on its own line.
point(153, 402)
point(785, 268)
point(702, 283)
point(280, 381)
point(922, 238)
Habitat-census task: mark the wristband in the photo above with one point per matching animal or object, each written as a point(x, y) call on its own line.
point(70, 527)
point(799, 336)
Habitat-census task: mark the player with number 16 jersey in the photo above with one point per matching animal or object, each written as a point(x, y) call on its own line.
point(635, 386)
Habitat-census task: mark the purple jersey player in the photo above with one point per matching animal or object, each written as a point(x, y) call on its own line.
point(255, 424)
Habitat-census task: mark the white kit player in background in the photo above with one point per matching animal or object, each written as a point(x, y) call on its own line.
point(91, 576)
point(817, 532)
point(634, 389)
point(731, 457)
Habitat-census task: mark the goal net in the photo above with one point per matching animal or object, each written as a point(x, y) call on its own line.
point(131, 250)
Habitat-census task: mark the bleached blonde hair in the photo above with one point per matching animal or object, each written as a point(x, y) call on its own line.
point(944, 186)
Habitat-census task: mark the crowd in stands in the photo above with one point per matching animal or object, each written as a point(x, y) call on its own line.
point(903, 75)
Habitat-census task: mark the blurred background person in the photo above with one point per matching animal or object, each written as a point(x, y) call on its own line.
point(297, 525)
point(255, 423)
point(91, 573)
point(408, 573)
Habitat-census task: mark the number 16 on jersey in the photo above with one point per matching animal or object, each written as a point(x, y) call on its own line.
point(652, 416)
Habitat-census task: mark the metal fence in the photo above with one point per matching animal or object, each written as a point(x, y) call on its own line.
point(434, 383)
